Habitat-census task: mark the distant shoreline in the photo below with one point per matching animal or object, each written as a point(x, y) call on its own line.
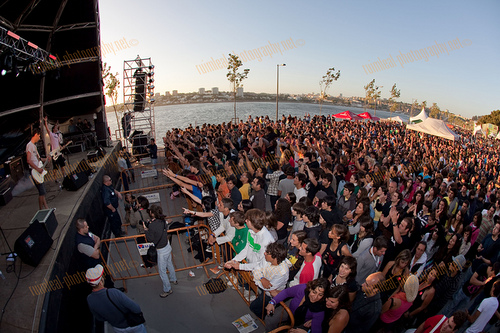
point(110, 109)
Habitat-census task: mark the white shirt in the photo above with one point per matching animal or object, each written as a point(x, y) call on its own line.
point(254, 249)
point(225, 227)
point(299, 193)
point(487, 307)
point(33, 156)
point(277, 275)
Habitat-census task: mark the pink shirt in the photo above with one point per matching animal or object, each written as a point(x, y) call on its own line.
point(392, 315)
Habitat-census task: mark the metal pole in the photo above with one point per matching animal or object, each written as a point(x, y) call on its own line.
point(278, 87)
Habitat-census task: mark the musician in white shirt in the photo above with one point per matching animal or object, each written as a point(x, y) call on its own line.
point(55, 143)
point(33, 159)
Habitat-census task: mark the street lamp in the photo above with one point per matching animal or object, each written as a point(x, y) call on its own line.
point(278, 87)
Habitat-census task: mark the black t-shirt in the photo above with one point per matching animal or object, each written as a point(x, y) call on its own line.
point(482, 274)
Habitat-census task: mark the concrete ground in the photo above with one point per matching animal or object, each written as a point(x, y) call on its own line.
point(187, 309)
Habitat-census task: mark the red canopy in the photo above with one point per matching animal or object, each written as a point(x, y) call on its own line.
point(367, 115)
point(347, 115)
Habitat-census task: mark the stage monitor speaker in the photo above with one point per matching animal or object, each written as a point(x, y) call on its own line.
point(33, 244)
point(74, 181)
point(83, 166)
point(47, 218)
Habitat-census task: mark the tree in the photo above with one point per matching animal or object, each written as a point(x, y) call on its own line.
point(492, 118)
point(424, 104)
point(372, 93)
point(325, 83)
point(235, 77)
point(111, 85)
point(435, 111)
point(395, 94)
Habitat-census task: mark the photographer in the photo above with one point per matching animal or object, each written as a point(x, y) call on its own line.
point(156, 232)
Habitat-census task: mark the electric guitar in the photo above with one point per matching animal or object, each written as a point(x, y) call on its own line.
point(38, 176)
point(57, 152)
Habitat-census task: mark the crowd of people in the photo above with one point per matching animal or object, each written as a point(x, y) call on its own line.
point(364, 227)
point(370, 226)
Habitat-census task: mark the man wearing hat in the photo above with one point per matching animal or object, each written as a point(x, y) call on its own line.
point(449, 282)
point(110, 304)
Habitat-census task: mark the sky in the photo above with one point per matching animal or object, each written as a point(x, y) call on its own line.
point(444, 52)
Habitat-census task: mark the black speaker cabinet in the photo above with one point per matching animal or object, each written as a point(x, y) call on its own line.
point(84, 166)
point(47, 218)
point(15, 167)
point(33, 244)
point(74, 181)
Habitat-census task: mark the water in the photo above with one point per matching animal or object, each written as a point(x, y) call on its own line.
point(181, 115)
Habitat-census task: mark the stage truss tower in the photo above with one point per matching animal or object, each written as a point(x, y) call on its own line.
point(138, 122)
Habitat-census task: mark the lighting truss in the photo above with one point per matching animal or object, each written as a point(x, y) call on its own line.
point(23, 50)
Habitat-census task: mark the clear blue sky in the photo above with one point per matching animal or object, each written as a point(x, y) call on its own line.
point(178, 35)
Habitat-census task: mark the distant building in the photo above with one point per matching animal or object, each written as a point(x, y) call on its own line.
point(174, 92)
point(167, 93)
point(340, 95)
point(157, 95)
point(215, 91)
point(201, 91)
point(239, 92)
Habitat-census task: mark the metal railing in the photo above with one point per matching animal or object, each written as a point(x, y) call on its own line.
point(125, 261)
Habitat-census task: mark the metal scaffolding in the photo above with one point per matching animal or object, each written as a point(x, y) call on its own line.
point(138, 122)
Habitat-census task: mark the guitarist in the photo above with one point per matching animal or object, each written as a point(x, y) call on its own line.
point(55, 143)
point(33, 160)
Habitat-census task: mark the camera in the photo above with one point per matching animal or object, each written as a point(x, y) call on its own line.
point(146, 223)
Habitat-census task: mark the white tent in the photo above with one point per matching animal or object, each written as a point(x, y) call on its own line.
point(419, 118)
point(397, 119)
point(434, 127)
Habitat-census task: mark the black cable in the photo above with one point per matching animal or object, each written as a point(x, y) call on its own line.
point(13, 290)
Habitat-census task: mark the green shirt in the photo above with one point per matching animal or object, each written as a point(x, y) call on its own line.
point(240, 239)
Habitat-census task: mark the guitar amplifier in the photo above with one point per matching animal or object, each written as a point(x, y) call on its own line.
point(94, 155)
point(5, 196)
point(15, 167)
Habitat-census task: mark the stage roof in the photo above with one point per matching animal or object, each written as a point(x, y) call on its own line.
point(72, 86)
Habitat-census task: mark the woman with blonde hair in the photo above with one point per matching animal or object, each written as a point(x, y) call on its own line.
point(394, 272)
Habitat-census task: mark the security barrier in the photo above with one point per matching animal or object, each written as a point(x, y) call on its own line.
point(240, 280)
point(124, 260)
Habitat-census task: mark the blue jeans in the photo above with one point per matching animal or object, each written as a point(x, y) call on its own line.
point(164, 263)
point(136, 329)
point(459, 302)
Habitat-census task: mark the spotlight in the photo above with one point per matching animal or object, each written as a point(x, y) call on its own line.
point(151, 80)
point(151, 67)
point(4, 71)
